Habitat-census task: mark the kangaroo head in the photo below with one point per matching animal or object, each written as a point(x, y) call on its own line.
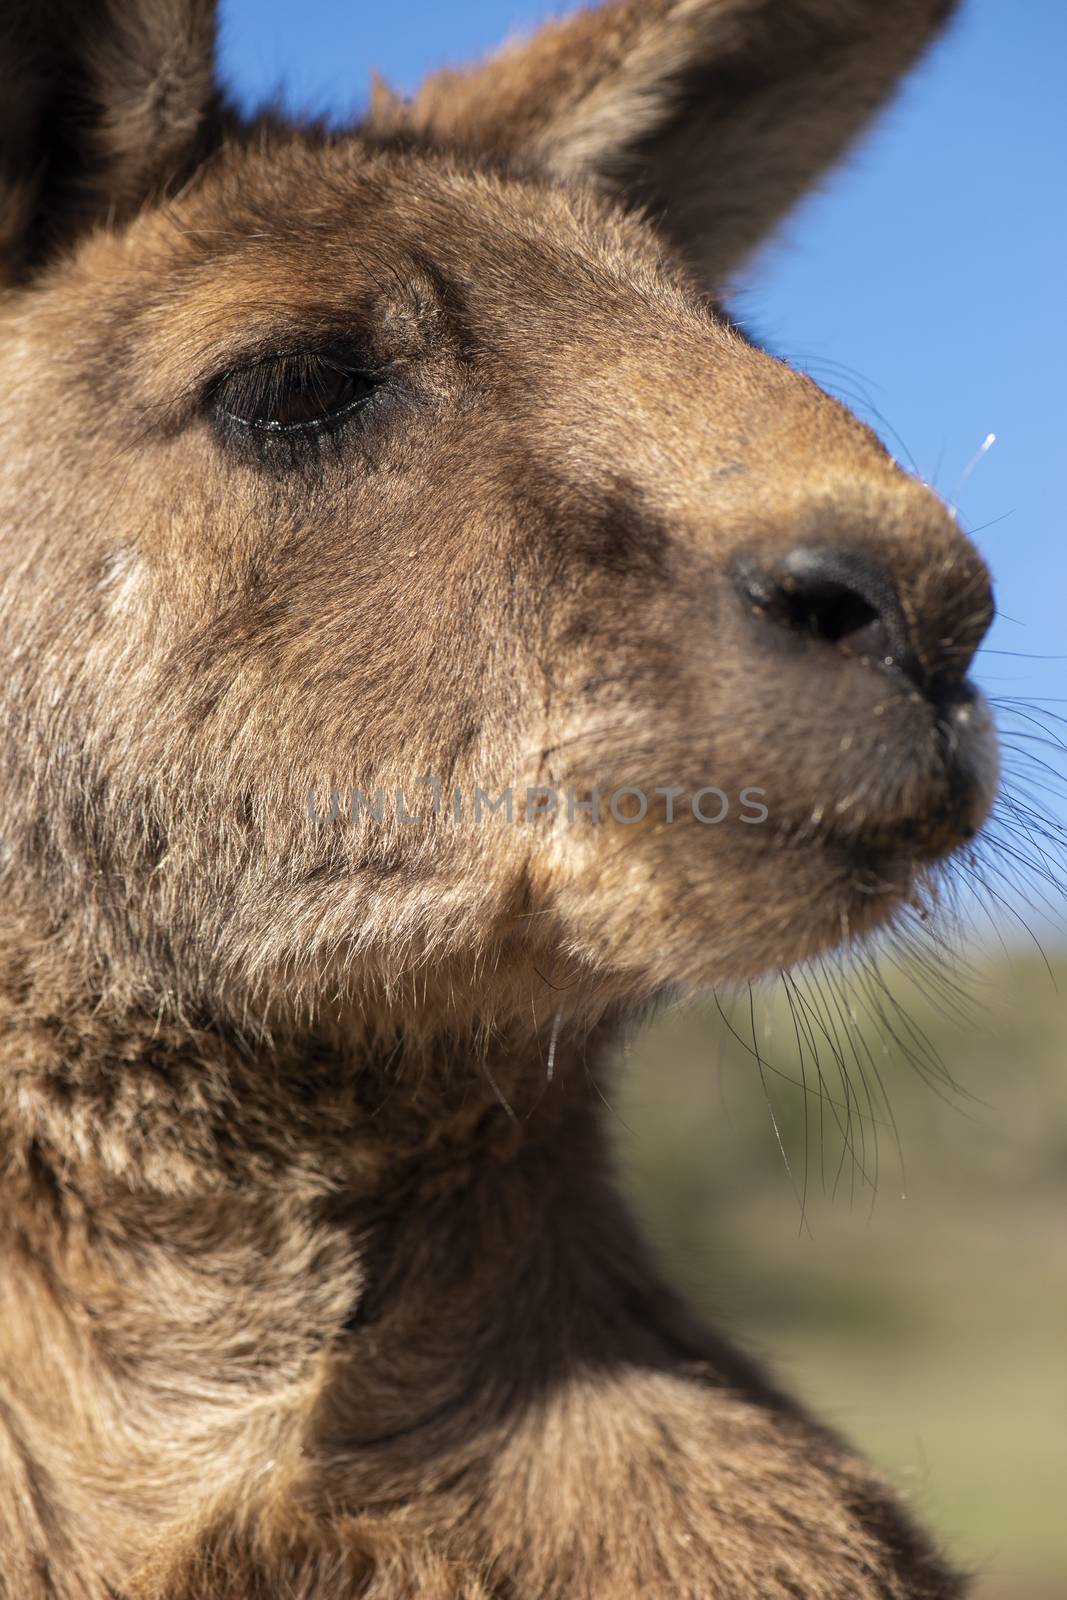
point(423, 457)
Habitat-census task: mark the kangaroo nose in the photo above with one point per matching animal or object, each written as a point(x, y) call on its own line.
point(840, 598)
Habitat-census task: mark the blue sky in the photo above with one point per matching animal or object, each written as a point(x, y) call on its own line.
point(925, 283)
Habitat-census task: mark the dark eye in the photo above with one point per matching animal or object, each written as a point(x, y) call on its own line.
point(284, 394)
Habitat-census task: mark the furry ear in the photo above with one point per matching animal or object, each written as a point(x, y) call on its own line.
point(716, 115)
point(104, 101)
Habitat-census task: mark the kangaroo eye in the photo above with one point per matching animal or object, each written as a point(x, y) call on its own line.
point(285, 394)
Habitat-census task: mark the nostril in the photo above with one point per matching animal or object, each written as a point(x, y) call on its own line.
point(825, 610)
point(836, 597)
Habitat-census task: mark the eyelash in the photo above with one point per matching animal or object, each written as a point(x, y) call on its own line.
point(250, 403)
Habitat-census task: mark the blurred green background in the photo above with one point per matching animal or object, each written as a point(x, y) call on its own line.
point(910, 1283)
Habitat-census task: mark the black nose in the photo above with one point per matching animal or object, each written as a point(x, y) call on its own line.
point(838, 597)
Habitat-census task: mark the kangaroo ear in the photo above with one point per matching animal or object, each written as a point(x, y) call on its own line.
point(104, 101)
point(716, 115)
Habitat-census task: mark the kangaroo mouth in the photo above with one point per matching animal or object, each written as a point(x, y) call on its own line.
point(880, 827)
point(922, 791)
point(850, 797)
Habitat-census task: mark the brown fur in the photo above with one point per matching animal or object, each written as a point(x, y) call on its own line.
point(314, 1281)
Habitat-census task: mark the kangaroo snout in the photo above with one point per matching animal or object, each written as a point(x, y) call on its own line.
point(807, 643)
point(844, 608)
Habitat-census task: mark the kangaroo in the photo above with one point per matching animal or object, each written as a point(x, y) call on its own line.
point(402, 553)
